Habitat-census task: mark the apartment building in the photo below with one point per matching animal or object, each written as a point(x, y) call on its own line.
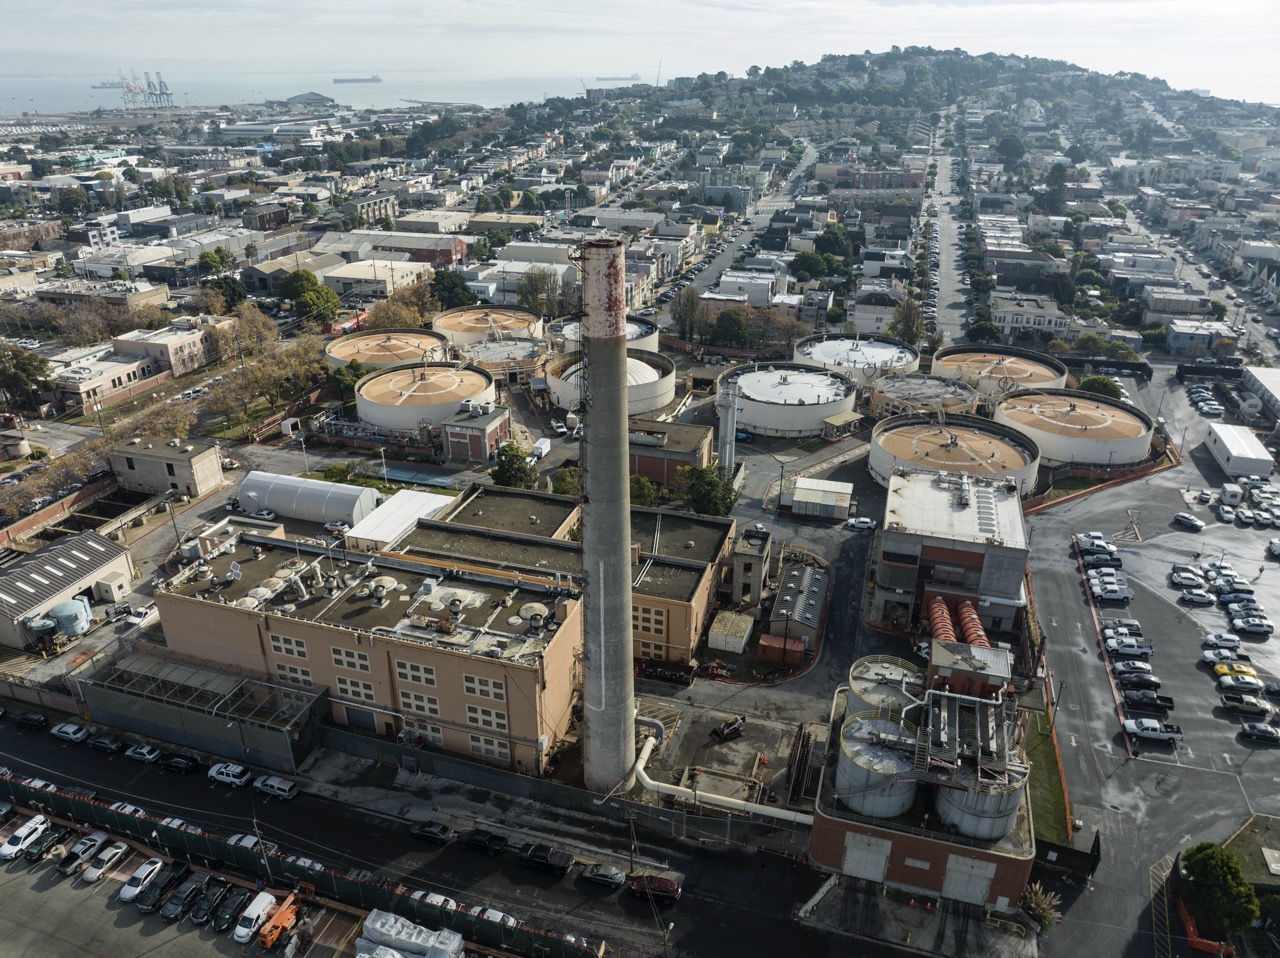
point(181, 348)
point(372, 208)
point(1013, 314)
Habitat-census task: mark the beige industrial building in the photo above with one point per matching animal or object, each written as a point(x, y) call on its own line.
point(151, 466)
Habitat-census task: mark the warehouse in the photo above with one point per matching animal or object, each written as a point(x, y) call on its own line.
point(312, 500)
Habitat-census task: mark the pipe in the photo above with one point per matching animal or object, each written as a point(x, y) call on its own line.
point(710, 798)
point(940, 625)
point(971, 624)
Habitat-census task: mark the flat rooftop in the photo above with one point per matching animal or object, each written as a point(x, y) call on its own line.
point(384, 597)
point(512, 510)
point(929, 503)
point(794, 386)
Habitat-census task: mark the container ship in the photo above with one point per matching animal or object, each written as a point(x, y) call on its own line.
point(634, 76)
point(108, 85)
point(373, 79)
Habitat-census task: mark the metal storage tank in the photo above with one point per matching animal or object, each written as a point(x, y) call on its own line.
point(863, 358)
point(1071, 426)
point(996, 370)
point(641, 334)
point(877, 682)
point(382, 348)
point(872, 777)
point(73, 616)
point(894, 395)
point(968, 445)
point(406, 399)
point(789, 399)
point(986, 810)
point(470, 324)
point(651, 381)
point(312, 500)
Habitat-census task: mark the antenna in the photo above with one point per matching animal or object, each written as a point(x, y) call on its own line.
point(658, 81)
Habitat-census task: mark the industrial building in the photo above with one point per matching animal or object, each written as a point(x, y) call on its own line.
point(863, 358)
point(383, 348)
point(656, 449)
point(311, 500)
point(411, 399)
point(150, 466)
point(789, 399)
point(46, 596)
point(1264, 382)
point(475, 432)
point(965, 445)
point(995, 370)
point(1075, 427)
point(916, 393)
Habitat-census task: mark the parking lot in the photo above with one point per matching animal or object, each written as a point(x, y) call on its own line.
point(47, 914)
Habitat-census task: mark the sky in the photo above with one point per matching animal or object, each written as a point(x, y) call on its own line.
point(1226, 48)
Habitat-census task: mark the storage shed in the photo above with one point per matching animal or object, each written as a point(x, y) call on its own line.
point(820, 498)
point(312, 500)
point(730, 632)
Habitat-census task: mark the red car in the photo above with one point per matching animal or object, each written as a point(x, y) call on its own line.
point(656, 888)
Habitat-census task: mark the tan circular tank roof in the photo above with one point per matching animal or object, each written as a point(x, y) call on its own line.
point(480, 320)
point(993, 364)
point(419, 386)
point(386, 347)
point(1075, 416)
point(961, 448)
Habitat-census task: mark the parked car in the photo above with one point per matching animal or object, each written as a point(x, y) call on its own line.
point(226, 914)
point(611, 876)
point(656, 888)
point(215, 893)
point(432, 898)
point(1190, 521)
point(229, 773)
point(436, 832)
point(186, 897)
point(27, 833)
point(38, 850)
point(1196, 597)
point(143, 753)
point(177, 762)
point(82, 853)
point(69, 732)
point(266, 514)
point(142, 877)
point(166, 880)
point(113, 853)
point(1259, 732)
point(495, 916)
point(481, 840)
point(107, 743)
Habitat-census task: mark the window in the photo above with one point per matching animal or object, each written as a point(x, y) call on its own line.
point(653, 650)
point(490, 748)
point(283, 645)
point(485, 688)
point(293, 673)
point(430, 734)
point(347, 659)
point(417, 702)
point(413, 672)
point(169, 468)
point(128, 461)
point(486, 718)
point(355, 689)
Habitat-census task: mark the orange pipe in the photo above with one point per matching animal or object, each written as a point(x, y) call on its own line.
point(940, 624)
point(971, 625)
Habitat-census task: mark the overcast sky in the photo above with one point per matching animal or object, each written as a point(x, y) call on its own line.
point(1227, 47)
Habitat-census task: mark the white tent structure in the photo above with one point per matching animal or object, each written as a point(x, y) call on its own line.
point(312, 500)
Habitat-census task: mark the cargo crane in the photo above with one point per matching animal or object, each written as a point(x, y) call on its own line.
point(164, 95)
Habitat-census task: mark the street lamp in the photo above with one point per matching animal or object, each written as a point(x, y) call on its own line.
point(382, 453)
point(782, 469)
point(302, 441)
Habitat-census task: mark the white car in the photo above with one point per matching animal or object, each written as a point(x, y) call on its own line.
point(69, 732)
point(252, 841)
point(228, 773)
point(495, 916)
point(861, 522)
point(141, 878)
point(1244, 516)
point(1186, 580)
point(124, 808)
point(1274, 547)
point(143, 753)
point(337, 527)
point(1221, 640)
point(1188, 520)
point(431, 898)
point(1226, 514)
point(106, 858)
point(24, 836)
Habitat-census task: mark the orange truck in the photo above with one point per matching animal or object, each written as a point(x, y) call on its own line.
point(280, 921)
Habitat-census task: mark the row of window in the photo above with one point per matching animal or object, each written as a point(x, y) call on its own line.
point(481, 745)
point(644, 619)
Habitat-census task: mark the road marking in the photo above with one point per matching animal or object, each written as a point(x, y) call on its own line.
point(1073, 740)
point(1053, 621)
point(1226, 757)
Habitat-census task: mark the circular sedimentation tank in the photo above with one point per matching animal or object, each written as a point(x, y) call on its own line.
point(641, 334)
point(789, 399)
point(1070, 426)
point(863, 358)
point(968, 445)
point(406, 398)
point(996, 370)
point(895, 395)
point(469, 324)
point(383, 348)
point(651, 381)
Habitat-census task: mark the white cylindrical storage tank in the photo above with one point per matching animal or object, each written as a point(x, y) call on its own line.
point(651, 381)
point(863, 358)
point(406, 398)
point(789, 399)
point(997, 370)
point(879, 682)
point(469, 324)
point(985, 811)
point(894, 395)
point(641, 334)
point(1071, 426)
point(383, 348)
point(966, 445)
point(872, 777)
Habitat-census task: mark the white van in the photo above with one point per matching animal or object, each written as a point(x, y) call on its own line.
point(251, 918)
point(275, 786)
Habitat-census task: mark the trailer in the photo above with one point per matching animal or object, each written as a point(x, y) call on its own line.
point(1237, 450)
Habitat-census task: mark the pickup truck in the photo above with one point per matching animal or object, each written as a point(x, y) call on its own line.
point(1243, 704)
point(1134, 648)
point(1111, 593)
point(1122, 634)
point(548, 858)
point(1153, 730)
point(1147, 701)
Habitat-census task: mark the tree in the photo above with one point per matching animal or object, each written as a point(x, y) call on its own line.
point(811, 264)
point(1090, 278)
point(389, 314)
point(708, 490)
point(981, 284)
point(984, 333)
point(320, 305)
point(251, 251)
point(1011, 150)
point(567, 481)
point(451, 290)
point(688, 314)
point(1058, 347)
point(1218, 309)
point(232, 290)
point(418, 297)
point(1118, 349)
point(730, 329)
point(347, 376)
point(1217, 894)
point(643, 491)
point(907, 324)
point(1091, 344)
point(1099, 385)
point(21, 372)
point(513, 469)
point(72, 199)
point(296, 283)
point(253, 330)
point(539, 290)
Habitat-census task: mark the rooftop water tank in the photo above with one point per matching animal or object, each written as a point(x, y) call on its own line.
point(72, 616)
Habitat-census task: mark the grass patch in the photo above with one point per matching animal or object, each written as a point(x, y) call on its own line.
point(1071, 485)
point(1260, 832)
point(1048, 800)
point(813, 445)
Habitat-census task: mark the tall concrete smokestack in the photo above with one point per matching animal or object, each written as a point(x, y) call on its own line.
point(608, 686)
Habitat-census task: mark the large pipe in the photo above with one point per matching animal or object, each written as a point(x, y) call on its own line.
point(710, 798)
point(971, 625)
point(940, 625)
point(608, 694)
